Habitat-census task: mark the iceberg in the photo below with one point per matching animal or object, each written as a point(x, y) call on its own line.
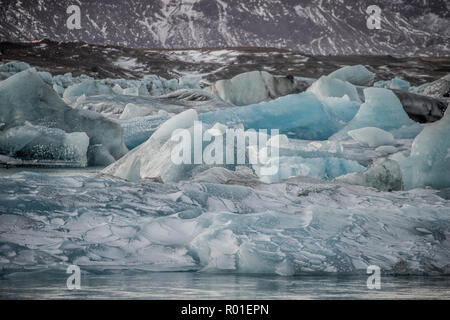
point(381, 109)
point(396, 83)
point(429, 161)
point(11, 68)
point(420, 108)
point(383, 174)
point(372, 137)
point(152, 159)
point(87, 88)
point(357, 75)
point(343, 108)
point(48, 145)
point(138, 130)
point(133, 111)
point(316, 159)
point(240, 176)
point(438, 89)
point(327, 87)
point(301, 116)
point(253, 87)
point(26, 99)
point(319, 168)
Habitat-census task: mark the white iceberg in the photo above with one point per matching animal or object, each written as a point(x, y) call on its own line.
point(357, 75)
point(381, 109)
point(372, 137)
point(152, 159)
point(429, 161)
point(326, 87)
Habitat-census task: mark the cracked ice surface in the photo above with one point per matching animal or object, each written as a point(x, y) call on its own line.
point(299, 226)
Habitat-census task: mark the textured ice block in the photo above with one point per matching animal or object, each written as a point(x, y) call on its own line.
point(383, 110)
point(357, 75)
point(372, 137)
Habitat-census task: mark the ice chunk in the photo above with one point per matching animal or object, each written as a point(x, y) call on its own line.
point(386, 149)
point(11, 68)
point(357, 75)
point(400, 84)
point(241, 176)
point(137, 131)
point(420, 108)
point(25, 98)
point(438, 89)
point(140, 90)
point(383, 174)
point(59, 90)
point(88, 88)
point(133, 111)
point(298, 227)
point(372, 137)
point(327, 87)
point(381, 109)
point(190, 82)
point(45, 144)
point(253, 87)
point(429, 161)
point(343, 108)
point(396, 83)
point(320, 168)
point(152, 159)
point(97, 155)
point(301, 116)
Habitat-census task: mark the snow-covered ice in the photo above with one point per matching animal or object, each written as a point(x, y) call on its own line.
point(309, 226)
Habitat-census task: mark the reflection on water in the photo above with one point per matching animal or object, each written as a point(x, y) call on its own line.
point(191, 285)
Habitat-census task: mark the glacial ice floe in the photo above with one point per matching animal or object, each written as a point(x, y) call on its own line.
point(299, 115)
point(383, 174)
point(152, 159)
point(438, 89)
point(429, 161)
point(25, 99)
point(30, 142)
point(302, 226)
point(381, 109)
point(396, 83)
point(327, 87)
point(337, 204)
point(357, 75)
point(372, 137)
point(253, 87)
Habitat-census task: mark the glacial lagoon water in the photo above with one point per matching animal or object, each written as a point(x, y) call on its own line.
point(194, 285)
